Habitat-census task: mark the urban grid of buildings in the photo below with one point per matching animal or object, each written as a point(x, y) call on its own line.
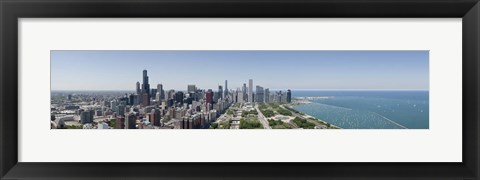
point(157, 108)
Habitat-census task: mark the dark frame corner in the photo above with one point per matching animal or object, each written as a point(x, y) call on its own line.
point(11, 10)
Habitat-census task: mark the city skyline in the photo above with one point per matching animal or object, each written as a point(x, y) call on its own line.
point(257, 108)
point(301, 70)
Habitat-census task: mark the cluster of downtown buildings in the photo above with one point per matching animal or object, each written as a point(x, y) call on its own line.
point(156, 108)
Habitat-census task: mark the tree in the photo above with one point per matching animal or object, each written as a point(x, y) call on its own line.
point(303, 123)
point(250, 124)
point(284, 112)
point(268, 113)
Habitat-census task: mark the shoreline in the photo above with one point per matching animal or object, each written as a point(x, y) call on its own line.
point(306, 100)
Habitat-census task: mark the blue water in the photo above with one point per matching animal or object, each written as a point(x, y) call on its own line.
point(369, 109)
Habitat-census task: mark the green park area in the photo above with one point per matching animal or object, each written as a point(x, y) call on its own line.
point(250, 121)
point(220, 125)
point(302, 123)
point(279, 124)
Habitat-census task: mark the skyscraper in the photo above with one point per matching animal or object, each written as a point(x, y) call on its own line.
point(161, 91)
point(145, 85)
point(226, 89)
point(179, 97)
point(139, 91)
point(209, 96)
point(155, 117)
point(158, 98)
point(240, 96)
point(191, 88)
point(244, 91)
point(250, 90)
point(220, 92)
point(121, 110)
point(267, 95)
point(289, 96)
point(120, 122)
point(131, 99)
point(170, 94)
point(131, 121)
point(153, 92)
point(259, 94)
point(86, 116)
point(145, 99)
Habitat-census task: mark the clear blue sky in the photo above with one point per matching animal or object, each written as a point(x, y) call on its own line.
point(120, 70)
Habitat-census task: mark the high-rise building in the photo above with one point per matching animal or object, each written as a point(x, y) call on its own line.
point(170, 94)
point(179, 97)
point(113, 104)
point(136, 99)
point(131, 99)
point(189, 100)
point(259, 94)
point(267, 95)
point(158, 97)
point(120, 110)
point(226, 89)
point(289, 96)
point(161, 91)
point(131, 121)
point(145, 99)
point(86, 116)
point(239, 96)
point(191, 88)
point(123, 100)
point(153, 92)
point(221, 93)
point(170, 102)
point(139, 91)
point(155, 117)
point(250, 90)
point(145, 85)
point(234, 96)
point(281, 97)
point(120, 122)
point(244, 92)
point(209, 96)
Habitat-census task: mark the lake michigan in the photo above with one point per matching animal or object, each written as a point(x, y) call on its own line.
point(368, 109)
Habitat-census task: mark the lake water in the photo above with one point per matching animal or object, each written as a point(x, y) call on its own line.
point(369, 109)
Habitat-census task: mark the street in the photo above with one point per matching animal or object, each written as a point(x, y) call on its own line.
point(262, 118)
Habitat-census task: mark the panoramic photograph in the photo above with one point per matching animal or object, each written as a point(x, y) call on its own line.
point(239, 89)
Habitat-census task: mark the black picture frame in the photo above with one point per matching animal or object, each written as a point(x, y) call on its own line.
point(11, 10)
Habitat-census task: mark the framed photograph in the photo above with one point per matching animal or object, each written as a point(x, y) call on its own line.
point(239, 90)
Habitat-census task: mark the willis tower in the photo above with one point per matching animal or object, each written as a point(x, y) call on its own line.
point(145, 89)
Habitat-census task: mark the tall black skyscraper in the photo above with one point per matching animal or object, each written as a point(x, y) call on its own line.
point(145, 85)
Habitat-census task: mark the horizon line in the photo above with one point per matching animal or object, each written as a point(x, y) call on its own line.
point(272, 89)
